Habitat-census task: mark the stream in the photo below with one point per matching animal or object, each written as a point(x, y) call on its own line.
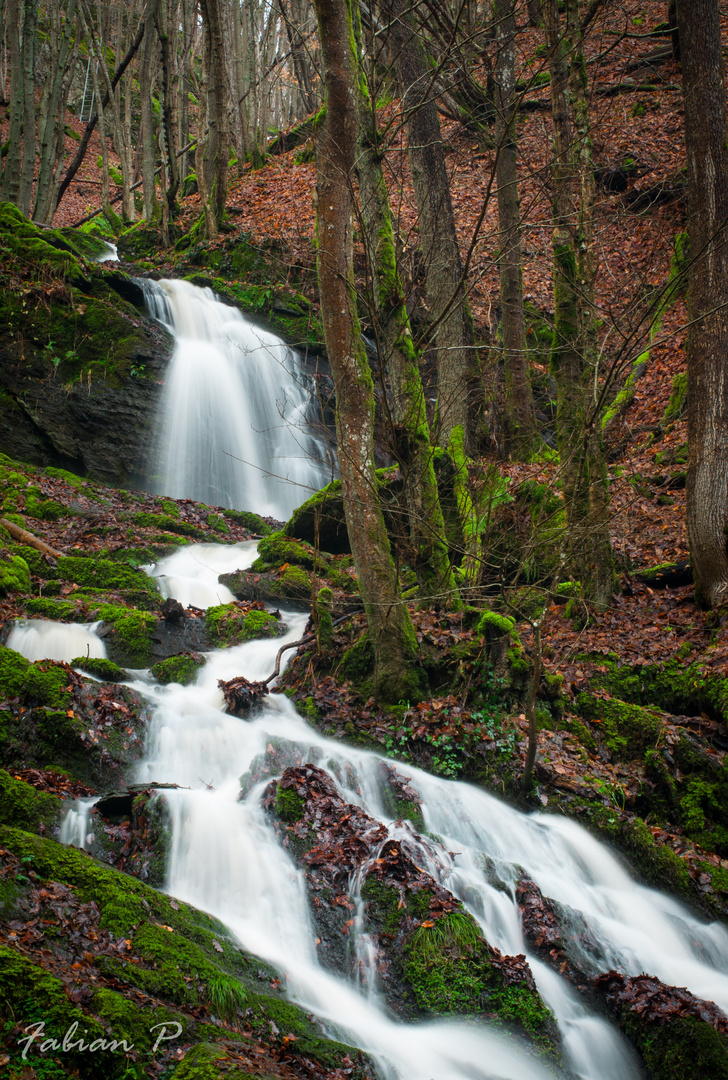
point(225, 855)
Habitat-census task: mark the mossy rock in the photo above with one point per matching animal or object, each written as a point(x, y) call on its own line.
point(679, 688)
point(627, 731)
point(276, 549)
point(44, 509)
point(232, 624)
point(105, 670)
point(14, 574)
point(102, 574)
point(250, 521)
point(678, 398)
point(24, 807)
point(291, 585)
point(181, 669)
point(184, 959)
point(41, 607)
point(679, 1049)
point(322, 514)
point(131, 641)
point(169, 523)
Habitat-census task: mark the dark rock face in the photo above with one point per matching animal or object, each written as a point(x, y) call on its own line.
point(100, 427)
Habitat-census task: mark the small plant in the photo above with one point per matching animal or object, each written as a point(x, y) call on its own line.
point(226, 997)
point(138, 371)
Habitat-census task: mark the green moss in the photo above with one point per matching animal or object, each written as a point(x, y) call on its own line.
point(138, 1025)
point(46, 683)
point(106, 670)
point(57, 610)
point(131, 641)
point(201, 1063)
point(626, 730)
point(678, 398)
point(102, 574)
point(180, 669)
point(232, 624)
point(276, 549)
point(357, 663)
point(253, 522)
point(24, 807)
point(289, 804)
point(70, 478)
point(681, 1049)
point(290, 1019)
point(13, 669)
point(493, 625)
point(43, 509)
point(684, 690)
point(170, 524)
point(33, 995)
point(14, 574)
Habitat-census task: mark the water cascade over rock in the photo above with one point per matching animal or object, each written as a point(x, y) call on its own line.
point(234, 422)
point(232, 854)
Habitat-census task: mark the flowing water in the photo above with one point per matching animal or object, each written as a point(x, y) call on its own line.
point(226, 859)
point(234, 433)
point(234, 426)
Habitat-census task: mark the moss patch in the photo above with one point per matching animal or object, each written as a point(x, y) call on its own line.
point(180, 669)
point(232, 624)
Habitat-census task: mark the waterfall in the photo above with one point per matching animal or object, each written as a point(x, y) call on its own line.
point(43, 639)
point(226, 859)
point(233, 427)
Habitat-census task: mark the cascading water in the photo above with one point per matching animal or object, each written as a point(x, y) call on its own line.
point(226, 859)
point(233, 427)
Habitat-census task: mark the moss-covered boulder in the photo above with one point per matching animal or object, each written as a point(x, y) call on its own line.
point(79, 361)
point(431, 954)
point(54, 718)
point(291, 584)
point(135, 960)
point(232, 624)
point(180, 669)
point(14, 574)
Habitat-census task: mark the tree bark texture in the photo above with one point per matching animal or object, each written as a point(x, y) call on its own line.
point(217, 139)
point(520, 417)
point(459, 382)
point(573, 356)
point(390, 628)
point(388, 314)
point(707, 345)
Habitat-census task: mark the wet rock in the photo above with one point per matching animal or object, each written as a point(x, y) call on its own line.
point(430, 955)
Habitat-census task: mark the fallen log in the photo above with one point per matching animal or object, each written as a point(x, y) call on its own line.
point(24, 537)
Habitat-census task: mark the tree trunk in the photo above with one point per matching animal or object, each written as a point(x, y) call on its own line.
point(459, 383)
point(54, 105)
point(170, 150)
point(706, 136)
point(152, 211)
point(574, 354)
point(390, 629)
point(10, 191)
point(29, 14)
point(388, 313)
point(217, 141)
point(520, 417)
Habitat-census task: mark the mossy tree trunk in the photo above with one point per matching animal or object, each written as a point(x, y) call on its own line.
point(520, 417)
point(13, 159)
point(51, 133)
point(390, 628)
point(574, 351)
point(171, 173)
point(459, 381)
point(147, 74)
point(398, 355)
point(706, 139)
point(212, 163)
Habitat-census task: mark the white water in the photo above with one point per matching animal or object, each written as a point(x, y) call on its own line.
point(42, 639)
point(232, 429)
point(110, 255)
point(226, 859)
